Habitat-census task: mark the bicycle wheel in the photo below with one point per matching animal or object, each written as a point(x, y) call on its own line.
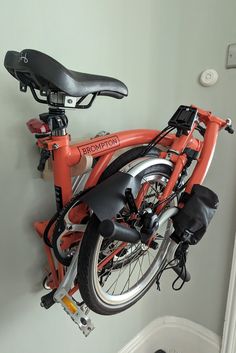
point(64, 253)
point(113, 288)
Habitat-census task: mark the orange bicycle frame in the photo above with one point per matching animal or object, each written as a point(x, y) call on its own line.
point(66, 155)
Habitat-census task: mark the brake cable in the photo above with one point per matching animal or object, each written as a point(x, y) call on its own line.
point(157, 139)
point(181, 262)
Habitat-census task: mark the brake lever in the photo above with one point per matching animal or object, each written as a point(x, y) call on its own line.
point(229, 127)
point(44, 155)
point(201, 130)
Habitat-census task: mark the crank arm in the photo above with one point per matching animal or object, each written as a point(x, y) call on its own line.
point(68, 280)
point(72, 227)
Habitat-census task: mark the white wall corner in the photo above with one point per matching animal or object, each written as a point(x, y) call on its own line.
point(229, 332)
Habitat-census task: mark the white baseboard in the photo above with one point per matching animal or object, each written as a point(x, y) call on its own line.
point(174, 335)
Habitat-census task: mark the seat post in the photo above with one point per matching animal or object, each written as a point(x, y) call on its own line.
point(56, 120)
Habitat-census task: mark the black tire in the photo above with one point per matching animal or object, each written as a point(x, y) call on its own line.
point(86, 258)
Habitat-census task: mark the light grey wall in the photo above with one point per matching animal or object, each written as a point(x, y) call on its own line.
point(158, 48)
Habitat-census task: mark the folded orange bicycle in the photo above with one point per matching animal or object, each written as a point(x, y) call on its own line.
point(128, 207)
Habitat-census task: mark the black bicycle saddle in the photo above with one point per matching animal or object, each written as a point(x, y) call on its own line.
point(41, 72)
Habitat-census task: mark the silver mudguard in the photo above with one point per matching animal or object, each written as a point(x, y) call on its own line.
point(108, 198)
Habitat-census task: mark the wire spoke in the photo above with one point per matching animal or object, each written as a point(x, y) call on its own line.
point(130, 273)
point(150, 254)
point(149, 258)
point(140, 270)
point(117, 277)
point(150, 185)
point(121, 272)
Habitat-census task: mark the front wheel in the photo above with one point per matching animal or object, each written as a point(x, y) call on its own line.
point(113, 275)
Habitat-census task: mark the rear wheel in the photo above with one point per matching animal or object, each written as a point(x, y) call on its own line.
point(61, 236)
point(113, 275)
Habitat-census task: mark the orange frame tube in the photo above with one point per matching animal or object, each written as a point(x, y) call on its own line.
point(65, 155)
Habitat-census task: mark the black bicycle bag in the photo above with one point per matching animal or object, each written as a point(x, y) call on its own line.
point(191, 222)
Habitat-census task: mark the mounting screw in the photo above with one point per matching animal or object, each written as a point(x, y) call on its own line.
point(55, 146)
point(70, 101)
point(69, 227)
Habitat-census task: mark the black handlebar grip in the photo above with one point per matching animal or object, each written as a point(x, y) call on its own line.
point(182, 273)
point(115, 231)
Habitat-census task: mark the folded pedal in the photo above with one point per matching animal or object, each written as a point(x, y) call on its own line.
point(78, 313)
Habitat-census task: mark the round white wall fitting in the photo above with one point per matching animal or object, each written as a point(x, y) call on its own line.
point(209, 77)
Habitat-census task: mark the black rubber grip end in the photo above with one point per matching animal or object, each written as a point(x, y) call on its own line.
point(117, 231)
point(182, 273)
point(48, 300)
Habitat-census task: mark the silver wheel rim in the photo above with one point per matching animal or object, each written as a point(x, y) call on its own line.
point(156, 264)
